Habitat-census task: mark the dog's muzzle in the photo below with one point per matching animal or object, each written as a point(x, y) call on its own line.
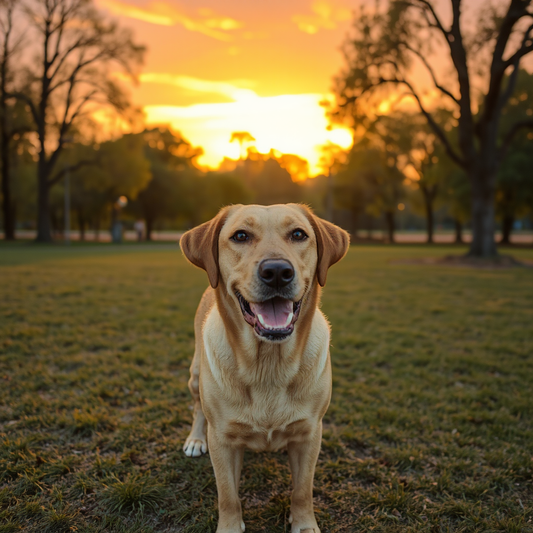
point(272, 319)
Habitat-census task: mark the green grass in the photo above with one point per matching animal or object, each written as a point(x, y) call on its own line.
point(430, 426)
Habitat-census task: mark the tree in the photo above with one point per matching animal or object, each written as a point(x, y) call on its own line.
point(387, 44)
point(11, 123)
point(296, 166)
point(78, 52)
point(243, 138)
point(371, 181)
point(426, 164)
point(332, 161)
point(171, 163)
point(119, 168)
point(514, 190)
point(273, 184)
point(220, 189)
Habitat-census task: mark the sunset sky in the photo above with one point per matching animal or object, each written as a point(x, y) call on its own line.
point(215, 67)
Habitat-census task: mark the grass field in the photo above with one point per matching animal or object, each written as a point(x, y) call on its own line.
point(430, 426)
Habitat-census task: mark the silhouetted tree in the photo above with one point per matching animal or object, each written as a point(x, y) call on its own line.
point(78, 51)
point(514, 189)
point(386, 44)
point(171, 163)
point(243, 138)
point(12, 116)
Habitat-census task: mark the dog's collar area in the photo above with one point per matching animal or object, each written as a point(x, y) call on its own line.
point(272, 319)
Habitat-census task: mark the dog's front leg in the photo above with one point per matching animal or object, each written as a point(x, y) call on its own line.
point(227, 463)
point(303, 456)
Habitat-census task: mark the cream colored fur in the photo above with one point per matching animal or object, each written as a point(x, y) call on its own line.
point(250, 392)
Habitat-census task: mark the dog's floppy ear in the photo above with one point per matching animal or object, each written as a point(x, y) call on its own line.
point(332, 244)
point(200, 245)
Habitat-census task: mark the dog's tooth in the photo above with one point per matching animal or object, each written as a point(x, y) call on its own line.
point(261, 321)
point(289, 319)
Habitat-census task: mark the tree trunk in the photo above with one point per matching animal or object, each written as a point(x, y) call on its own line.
point(370, 227)
point(43, 203)
point(355, 223)
point(483, 216)
point(458, 231)
point(507, 227)
point(81, 224)
point(389, 220)
point(149, 228)
point(7, 203)
point(97, 229)
point(428, 202)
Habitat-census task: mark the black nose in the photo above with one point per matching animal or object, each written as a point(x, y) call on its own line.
point(276, 273)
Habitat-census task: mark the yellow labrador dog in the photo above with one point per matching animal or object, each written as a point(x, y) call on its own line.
point(261, 373)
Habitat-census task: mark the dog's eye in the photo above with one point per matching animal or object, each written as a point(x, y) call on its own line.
point(240, 236)
point(298, 235)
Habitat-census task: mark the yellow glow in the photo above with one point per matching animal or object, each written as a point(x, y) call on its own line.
point(290, 124)
point(384, 107)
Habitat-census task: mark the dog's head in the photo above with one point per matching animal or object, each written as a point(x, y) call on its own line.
point(268, 258)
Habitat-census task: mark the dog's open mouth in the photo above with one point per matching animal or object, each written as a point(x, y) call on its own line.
point(273, 319)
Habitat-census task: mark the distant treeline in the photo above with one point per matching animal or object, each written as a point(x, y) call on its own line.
point(395, 169)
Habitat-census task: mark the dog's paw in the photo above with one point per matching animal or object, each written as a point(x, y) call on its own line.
point(303, 526)
point(195, 447)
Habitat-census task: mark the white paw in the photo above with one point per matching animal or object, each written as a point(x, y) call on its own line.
point(303, 528)
point(195, 447)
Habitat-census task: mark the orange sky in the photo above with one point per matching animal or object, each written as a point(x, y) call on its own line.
point(217, 67)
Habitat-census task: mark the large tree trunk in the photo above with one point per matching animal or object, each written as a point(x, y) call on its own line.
point(458, 231)
point(483, 215)
point(389, 220)
point(149, 228)
point(81, 224)
point(97, 228)
point(507, 227)
point(43, 206)
point(429, 196)
point(7, 203)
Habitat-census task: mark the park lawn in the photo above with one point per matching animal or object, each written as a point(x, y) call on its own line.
point(429, 429)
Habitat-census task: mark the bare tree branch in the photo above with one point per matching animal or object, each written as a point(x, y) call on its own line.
point(436, 128)
point(426, 7)
point(72, 168)
point(523, 50)
point(431, 72)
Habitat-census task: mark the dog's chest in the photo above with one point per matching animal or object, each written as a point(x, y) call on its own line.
point(269, 422)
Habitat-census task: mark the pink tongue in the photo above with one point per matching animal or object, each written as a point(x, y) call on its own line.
point(274, 311)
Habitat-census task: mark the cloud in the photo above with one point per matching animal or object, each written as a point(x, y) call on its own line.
point(230, 89)
point(325, 16)
point(164, 14)
point(212, 20)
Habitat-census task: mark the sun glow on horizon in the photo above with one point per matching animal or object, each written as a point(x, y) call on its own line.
point(290, 123)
